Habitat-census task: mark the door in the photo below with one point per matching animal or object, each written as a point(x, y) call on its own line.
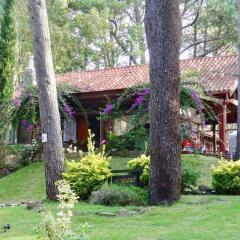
point(82, 132)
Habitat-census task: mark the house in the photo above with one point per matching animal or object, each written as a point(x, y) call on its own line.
point(96, 87)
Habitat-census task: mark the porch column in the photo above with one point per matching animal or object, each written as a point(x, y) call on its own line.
point(214, 137)
point(222, 130)
point(102, 130)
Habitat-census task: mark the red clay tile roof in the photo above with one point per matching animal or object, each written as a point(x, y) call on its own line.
point(218, 74)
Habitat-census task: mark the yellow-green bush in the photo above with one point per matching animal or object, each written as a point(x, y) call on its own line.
point(89, 173)
point(141, 164)
point(190, 173)
point(226, 177)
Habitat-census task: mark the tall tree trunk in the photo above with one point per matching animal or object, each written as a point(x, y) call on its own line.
point(162, 25)
point(195, 40)
point(237, 153)
point(49, 112)
point(139, 23)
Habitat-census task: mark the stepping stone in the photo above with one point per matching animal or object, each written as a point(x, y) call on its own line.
point(106, 214)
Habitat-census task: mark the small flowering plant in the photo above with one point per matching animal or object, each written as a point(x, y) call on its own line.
point(59, 227)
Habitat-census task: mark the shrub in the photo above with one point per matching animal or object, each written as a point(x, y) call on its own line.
point(116, 143)
point(226, 177)
point(141, 164)
point(190, 174)
point(114, 194)
point(133, 140)
point(9, 160)
point(90, 172)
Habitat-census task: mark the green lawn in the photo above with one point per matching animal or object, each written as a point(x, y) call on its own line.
point(28, 182)
point(193, 217)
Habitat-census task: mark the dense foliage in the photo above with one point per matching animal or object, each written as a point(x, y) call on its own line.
point(120, 195)
point(190, 174)
point(134, 103)
point(25, 107)
point(226, 177)
point(8, 51)
point(133, 140)
point(90, 173)
point(13, 157)
point(103, 33)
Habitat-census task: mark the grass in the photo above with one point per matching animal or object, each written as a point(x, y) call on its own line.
point(28, 182)
point(203, 164)
point(192, 218)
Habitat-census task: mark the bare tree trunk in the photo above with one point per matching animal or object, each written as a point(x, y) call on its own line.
point(195, 40)
point(162, 25)
point(237, 153)
point(49, 112)
point(139, 23)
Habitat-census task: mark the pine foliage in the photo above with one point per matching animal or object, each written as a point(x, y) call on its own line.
point(8, 42)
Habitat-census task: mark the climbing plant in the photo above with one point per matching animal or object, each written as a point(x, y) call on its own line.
point(135, 103)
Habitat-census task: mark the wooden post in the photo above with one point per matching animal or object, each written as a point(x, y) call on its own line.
point(214, 137)
point(222, 130)
point(102, 130)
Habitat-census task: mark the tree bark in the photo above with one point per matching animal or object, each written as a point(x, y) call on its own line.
point(237, 153)
point(162, 25)
point(49, 112)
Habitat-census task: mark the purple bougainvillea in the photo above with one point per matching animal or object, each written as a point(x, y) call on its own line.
point(69, 111)
point(30, 128)
point(199, 105)
point(141, 96)
point(24, 123)
point(27, 125)
point(197, 101)
point(108, 108)
point(17, 102)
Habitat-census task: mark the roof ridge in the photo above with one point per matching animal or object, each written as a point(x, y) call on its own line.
point(104, 69)
point(141, 65)
point(209, 57)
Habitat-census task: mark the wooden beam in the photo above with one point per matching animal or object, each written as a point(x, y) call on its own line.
point(214, 137)
point(222, 129)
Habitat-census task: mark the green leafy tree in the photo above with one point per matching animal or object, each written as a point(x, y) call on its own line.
point(8, 51)
point(208, 27)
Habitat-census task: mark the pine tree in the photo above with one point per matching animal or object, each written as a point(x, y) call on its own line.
point(49, 111)
point(162, 23)
point(8, 43)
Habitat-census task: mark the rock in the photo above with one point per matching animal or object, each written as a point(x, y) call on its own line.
point(106, 214)
point(122, 212)
point(14, 204)
point(36, 206)
point(131, 213)
point(145, 210)
point(205, 189)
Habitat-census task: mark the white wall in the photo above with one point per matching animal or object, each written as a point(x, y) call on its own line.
point(70, 130)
